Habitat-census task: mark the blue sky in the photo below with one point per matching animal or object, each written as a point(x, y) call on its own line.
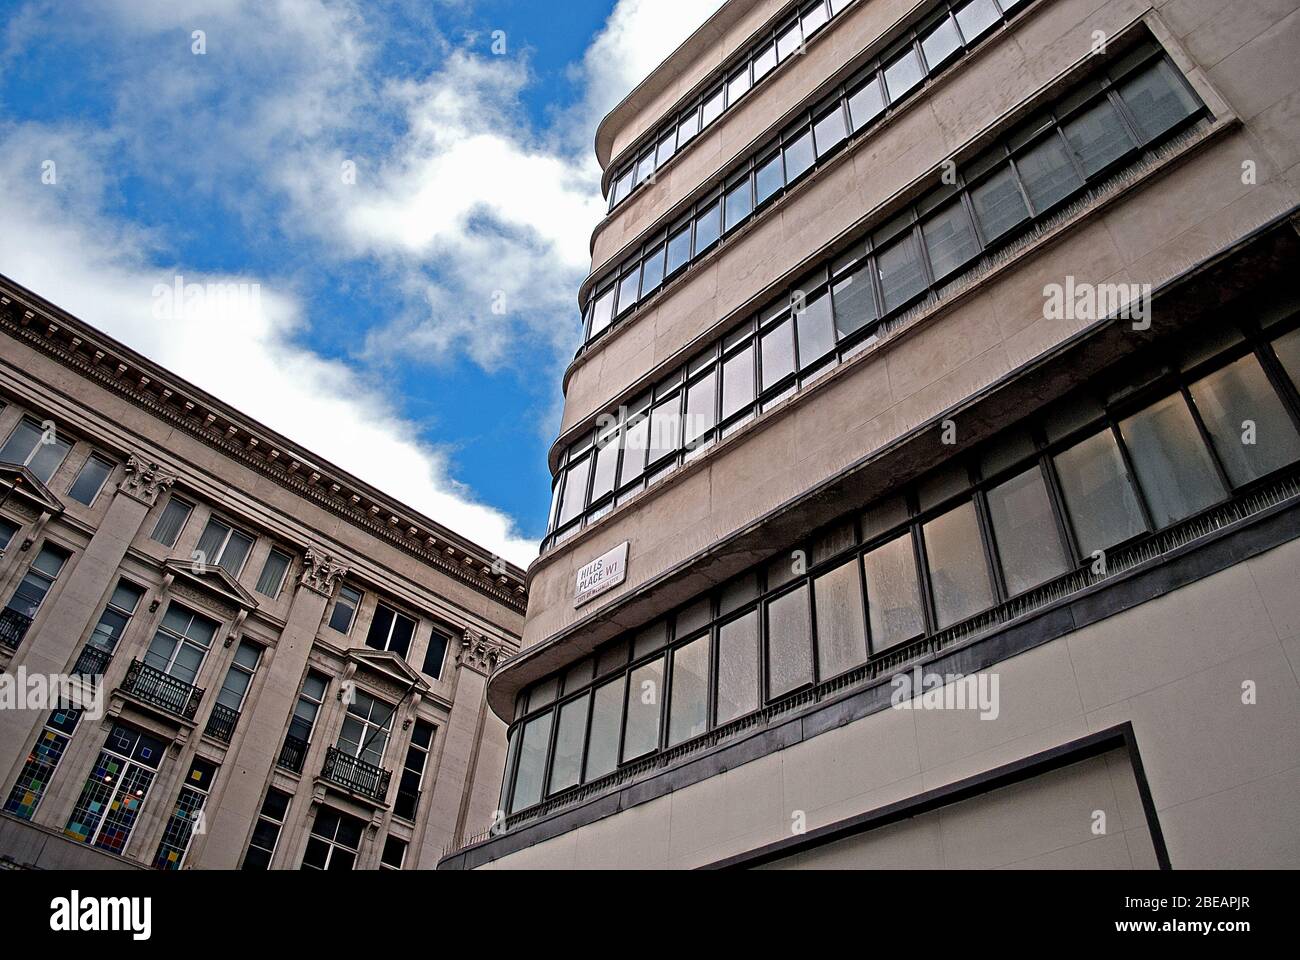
point(413, 206)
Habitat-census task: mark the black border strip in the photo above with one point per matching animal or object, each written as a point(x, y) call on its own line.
point(1027, 768)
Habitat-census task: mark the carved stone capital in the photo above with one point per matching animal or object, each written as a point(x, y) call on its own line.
point(320, 572)
point(144, 481)
point(479, 653)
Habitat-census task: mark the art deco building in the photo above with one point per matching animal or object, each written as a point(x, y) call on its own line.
point(943, 346)
point(279, 666)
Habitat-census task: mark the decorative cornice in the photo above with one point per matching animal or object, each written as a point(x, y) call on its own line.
point(115, 368)
point(479, 653)
point(144, 481)
point(320, 572)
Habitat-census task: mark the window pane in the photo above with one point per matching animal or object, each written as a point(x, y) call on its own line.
point(701, 398)
point(941, 43)
point(644, 696)
point(403, 629)
point(652, 272)
point(89, 481)
point(738, 668)
point(634, 447)
point(893, 594)
point(566, 768)
point(645, 168)
point(707, 228)
point(1287, 349)
point(737, 85)
point(901, 276)
point(629, 290)
point(623, 186)
point(679, 249)
point(606, 714)
point(665, 428)
point(770, 178)
point(236, 552)
point(1172, 464)
point(788, 42)
point(1097, 137)
point(866, 103)
point(830, 131)
point(999, 204)
point(816, 330)
point(798, 156)
point(603, 312)
point(957, 569)
point(606, 460)
point(273, 571)
point(841, 635)
point(1249, 426)
point(712, 108)
point(22, 442)
point(532, 762)
point(688, 128)
point(949, 238)
point(902, 74)
point(1047, 172)
point(789, 652)
point(738, 382)
point(1025, 528)
point(575, 491)
point(855, 301)
point(1099, 494)
point(687, 715)
point(778, 353)
point(739, 203)
point(764, 61)
point(434, 655)
point(976, 17)
point(667, 147)
point(814, 17)
point(1158, 99)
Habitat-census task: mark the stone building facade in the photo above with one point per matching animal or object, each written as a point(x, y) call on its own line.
point(927, 487)
point(265, 662)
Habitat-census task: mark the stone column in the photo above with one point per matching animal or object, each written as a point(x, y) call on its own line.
point(261, 730)
point(451, 789)
point(61, 625)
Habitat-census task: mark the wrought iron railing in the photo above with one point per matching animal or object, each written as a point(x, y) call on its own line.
point(92, 662)
point(221, 723)
point(355, 775)
point(13, 627)
point(155, 687)
point(292, 754)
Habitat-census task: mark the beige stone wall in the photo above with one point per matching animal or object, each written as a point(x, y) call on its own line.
point(1224, 774)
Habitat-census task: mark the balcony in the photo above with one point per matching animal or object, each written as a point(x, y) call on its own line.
point(13, 627)
point(355, 775)
point(221, 723)
point(92, 662)
point(293, 754)
point(156, 688)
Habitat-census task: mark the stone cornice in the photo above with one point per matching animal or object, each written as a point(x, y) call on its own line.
point(96, 357)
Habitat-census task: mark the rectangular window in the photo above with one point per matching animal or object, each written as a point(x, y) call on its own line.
point(790, 40)
point(7, 531)
point(1247, 423)
point(345, 609)
point(606, 719)
point(829, 131)
point(179, 832)
point(950, 239)
point(652, 271)
point(34, 588)
point(1097, 137)
point(901, 274)
point(667, 147)
point(739, 204)
point(737, 84)
point(902, 74)
point(273, 571)
point(799, 156)
point(390, 630)
point(607, 449)
point(603, 311)
point(1172, 464)
point(998, 203)
point(171, 521)
point(266, 832)
point(42, 761)
point(1099, 494)
point(566, 768)
point(634, 447)
point(841, 630)
point(234, 689)
point(941, 42)
point(701, 396)
point(815, 329)
point(708, 227)
point(738, 382)
point(738, 667)
point(777, 353)
point(90, 479)
point(1024, 526)
point(958, 572)
point(412, 779)
point(1287, 348)
point(688, 711)
point(225, 546)
point(114, 794)
point(789, 643)
point(575, 491)
point(893, 594)
point(866, 103)
point(334, 841)
point(1158, 99)
point(303, 722)
point(394, 855)
point(855, 302)
point(181, 643)
point(35, 447)
point(644, 706)
point(629, 290)
point(434, 654)
point(764, 61)
point(688, 128)
point(712, 108)
point(769, 179)
point(679, 250)
point(366, 728)
point(1047, 173)
point(976, 17)
point(531, 768)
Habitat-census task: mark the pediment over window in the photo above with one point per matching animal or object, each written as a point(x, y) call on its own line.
point(212, 580)
point(390, 667)
point(22, 485)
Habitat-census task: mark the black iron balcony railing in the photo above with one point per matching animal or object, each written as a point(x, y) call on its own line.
point(356, 775)
point(221, 723)
point(13, 627)
point(153, 686)
point(92, 662)
point(292, 754)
